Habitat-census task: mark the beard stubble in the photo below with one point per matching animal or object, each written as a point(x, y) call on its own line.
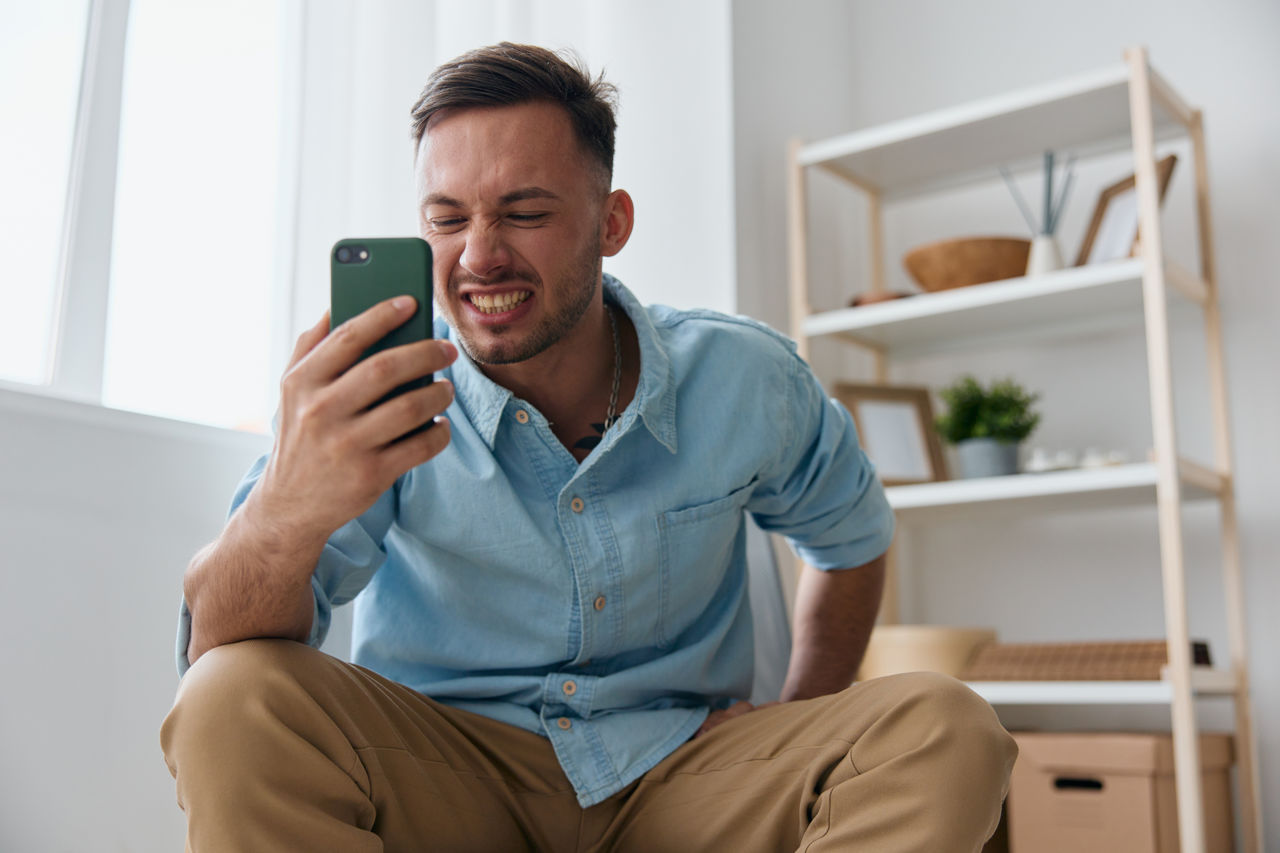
point(579, 282)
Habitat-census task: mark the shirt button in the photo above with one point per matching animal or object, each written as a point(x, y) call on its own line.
point(599, 602)
point(522, 416)
point(577, 504)
point(564, 723)
point(570, 688)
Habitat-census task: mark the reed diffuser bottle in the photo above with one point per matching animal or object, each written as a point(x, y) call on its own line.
point(1044, 256)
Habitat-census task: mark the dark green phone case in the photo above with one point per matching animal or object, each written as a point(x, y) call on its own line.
point(394, 266)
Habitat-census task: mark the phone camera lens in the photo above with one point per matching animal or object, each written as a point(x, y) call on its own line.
point(344, 255)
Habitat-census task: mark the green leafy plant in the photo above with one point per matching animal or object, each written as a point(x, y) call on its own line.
point(1002, 412)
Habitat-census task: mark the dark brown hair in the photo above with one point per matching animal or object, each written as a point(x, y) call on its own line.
point(506, 74)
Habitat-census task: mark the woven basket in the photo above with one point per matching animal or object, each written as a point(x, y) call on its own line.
point(915, 648)
point(966, 261)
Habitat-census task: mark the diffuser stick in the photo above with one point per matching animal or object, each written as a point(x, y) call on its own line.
point(1048, 192)
point(1017, 197)
point(1061, 202)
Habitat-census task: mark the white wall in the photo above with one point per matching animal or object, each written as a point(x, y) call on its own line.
point(99, 513)
point(1084, 576)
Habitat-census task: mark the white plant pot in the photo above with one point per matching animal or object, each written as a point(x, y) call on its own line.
point(1044, 256)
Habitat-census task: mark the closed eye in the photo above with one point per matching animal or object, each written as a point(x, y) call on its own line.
point(446, 223)
point(526, 219)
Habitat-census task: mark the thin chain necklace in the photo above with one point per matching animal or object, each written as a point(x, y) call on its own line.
point(612, 415)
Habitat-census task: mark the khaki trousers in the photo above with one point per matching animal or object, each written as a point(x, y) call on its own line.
point(276, 746)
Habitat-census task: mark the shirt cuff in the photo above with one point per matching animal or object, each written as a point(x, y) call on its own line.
point(184, 638)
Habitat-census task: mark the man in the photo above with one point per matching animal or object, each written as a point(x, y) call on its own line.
point(553, 613)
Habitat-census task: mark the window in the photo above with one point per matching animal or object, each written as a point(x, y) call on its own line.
point(143, 148)
point(41, 56)
point(193, 268)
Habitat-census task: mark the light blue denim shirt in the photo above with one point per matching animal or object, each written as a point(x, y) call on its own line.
point(603, 604)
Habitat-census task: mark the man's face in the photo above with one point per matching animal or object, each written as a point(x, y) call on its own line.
point(511, 206)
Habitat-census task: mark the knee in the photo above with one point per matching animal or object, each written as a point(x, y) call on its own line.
point(225, 690)
point(957, 725)
point(239, 670)
point(949, 721)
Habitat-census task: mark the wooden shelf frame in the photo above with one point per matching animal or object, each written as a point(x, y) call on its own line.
point(1205, 683)
point(1127, 106)
point(957, 146)
point(1018, 310)
point(1110, 487)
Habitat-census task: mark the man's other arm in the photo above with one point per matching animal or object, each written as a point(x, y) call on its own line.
point(835, 611)
point(834, 614)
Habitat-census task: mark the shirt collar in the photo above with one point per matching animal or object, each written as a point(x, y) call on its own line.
point(483, 400)
point(655, 398)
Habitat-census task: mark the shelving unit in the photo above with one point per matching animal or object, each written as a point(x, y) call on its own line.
point(1124, 107)
point(1019, 310)
point(1204, 682)
point(1058, 491)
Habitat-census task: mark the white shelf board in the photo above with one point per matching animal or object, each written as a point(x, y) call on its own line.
point(1087, 114)
point(1204, 682)
point(1053, 491)
point(1067, 301)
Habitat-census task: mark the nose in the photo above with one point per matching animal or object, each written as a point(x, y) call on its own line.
point(485, 253)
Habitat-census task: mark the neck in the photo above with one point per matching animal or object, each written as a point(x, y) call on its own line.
point(568, 380)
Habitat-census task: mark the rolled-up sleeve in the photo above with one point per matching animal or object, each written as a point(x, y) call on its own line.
point(822, 493)
point(350, 558)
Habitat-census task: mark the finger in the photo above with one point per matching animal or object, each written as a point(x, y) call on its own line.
point(348, 341)
point(401, 456)
point(308, 340)
point(380, 374)
point(712, 720)
point(390, 420)
point(716, 718)
point(732, 712)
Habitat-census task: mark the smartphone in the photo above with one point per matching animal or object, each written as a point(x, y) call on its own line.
point(363, 273)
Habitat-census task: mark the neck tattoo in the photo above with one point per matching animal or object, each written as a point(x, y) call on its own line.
point(611, 415)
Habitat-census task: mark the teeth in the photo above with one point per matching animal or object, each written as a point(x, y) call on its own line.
point(497, 303)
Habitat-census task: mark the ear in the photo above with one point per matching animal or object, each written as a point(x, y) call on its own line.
point(617, 217)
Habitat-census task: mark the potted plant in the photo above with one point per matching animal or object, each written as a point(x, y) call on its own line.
point(986, 425)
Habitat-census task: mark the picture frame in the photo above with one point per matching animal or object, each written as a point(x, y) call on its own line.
point(1113, 231)
point(895, 428)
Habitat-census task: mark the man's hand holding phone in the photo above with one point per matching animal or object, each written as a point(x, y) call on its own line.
point(336, 451)
point(353, 404)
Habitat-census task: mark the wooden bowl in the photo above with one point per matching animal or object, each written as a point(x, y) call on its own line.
point(966, 261)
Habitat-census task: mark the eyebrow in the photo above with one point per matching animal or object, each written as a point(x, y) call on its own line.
point(523, 194)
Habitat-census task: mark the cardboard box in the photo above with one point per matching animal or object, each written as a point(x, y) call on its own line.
point(1111, 792)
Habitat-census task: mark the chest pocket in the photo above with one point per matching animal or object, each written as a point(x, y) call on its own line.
point(696, 547)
